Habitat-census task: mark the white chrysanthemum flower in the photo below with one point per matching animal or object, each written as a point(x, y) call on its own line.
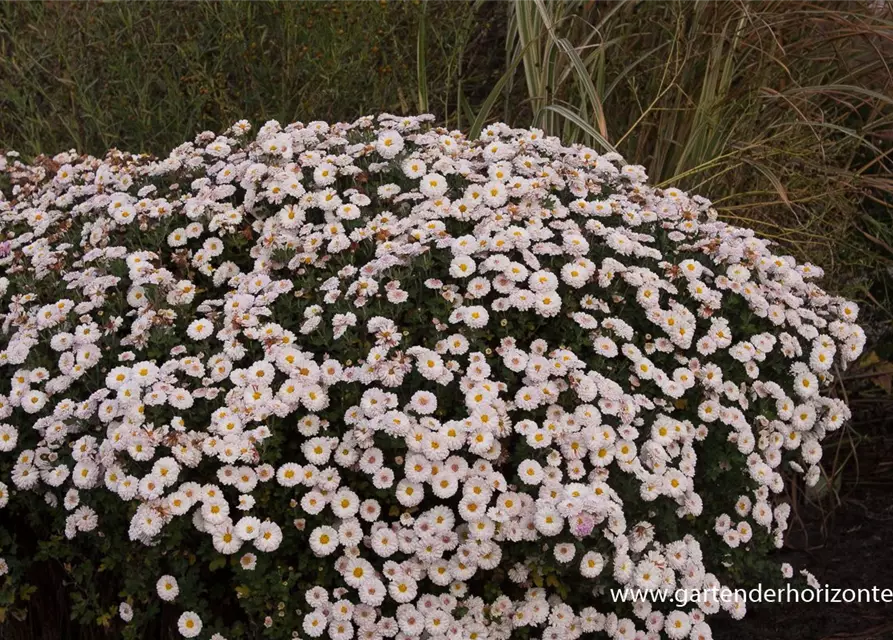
point(200, 329)
point(189, 624)
point(389, 144)
point(433, 185)
point(167, 588)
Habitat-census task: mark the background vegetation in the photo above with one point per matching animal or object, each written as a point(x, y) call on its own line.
point(147, 76)
point(780, 112)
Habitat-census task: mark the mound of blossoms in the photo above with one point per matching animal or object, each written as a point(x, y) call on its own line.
point(378, 380)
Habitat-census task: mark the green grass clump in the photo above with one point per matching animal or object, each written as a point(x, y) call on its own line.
point(147, 76)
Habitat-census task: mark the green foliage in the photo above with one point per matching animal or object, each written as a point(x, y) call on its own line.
point(146, 76)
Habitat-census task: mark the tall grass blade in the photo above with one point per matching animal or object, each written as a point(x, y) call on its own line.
point(421, 60)
point(584, 126)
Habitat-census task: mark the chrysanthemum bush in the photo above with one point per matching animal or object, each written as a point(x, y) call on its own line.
point(378, 380)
